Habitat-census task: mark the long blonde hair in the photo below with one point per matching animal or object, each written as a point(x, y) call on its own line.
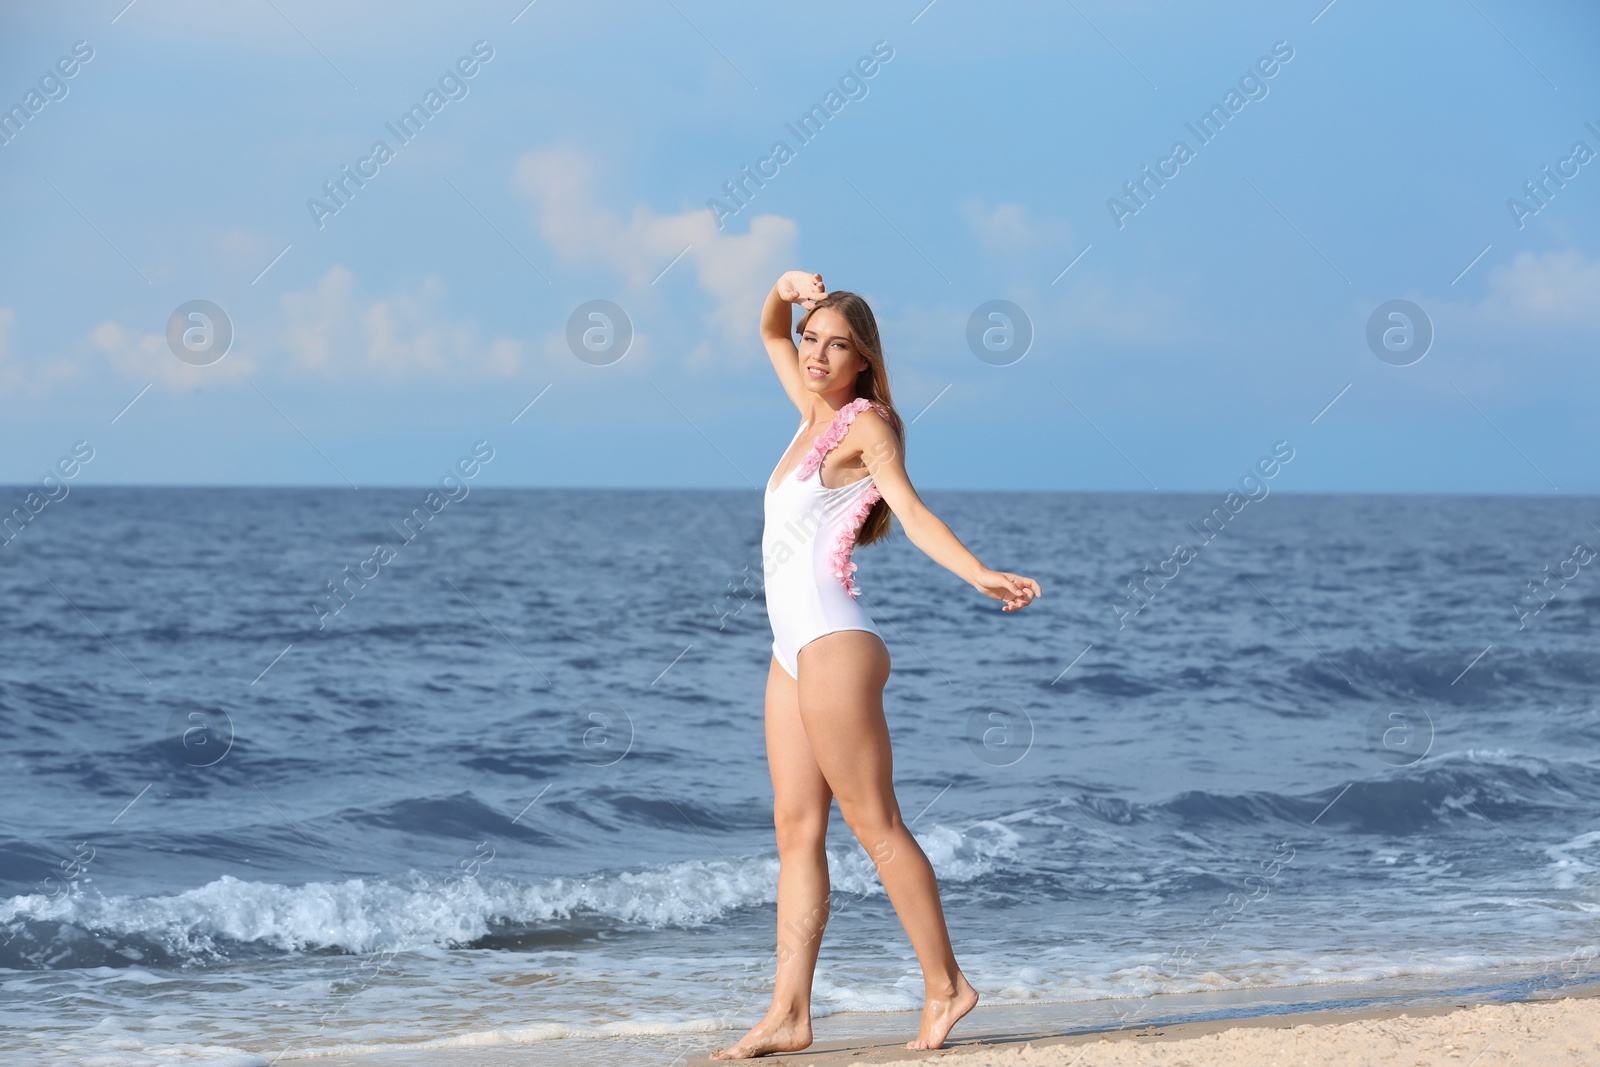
point(872, 383)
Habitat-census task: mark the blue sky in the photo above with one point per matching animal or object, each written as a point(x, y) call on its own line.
point(576, 163)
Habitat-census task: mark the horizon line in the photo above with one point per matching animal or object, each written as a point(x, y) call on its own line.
point(424, 486)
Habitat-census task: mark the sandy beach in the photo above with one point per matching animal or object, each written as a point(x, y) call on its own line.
point(1536, 1034)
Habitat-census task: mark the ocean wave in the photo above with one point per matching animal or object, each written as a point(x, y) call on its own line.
point(229, 918)
point(1498, 785)
point(1416, 676)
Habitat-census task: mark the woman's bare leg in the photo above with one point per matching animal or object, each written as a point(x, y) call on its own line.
point(800, 802)
point(841, 703)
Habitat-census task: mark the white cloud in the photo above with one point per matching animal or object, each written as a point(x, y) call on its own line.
point(1009, 231)
point(332, 330)
point(145, 357)
point(1032, 251)
point(242, 249)
point(733, 270)
point(1560, 289)
point(1130, 314)
point(16, 378)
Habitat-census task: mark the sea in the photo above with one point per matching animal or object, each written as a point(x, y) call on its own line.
point(373, 777)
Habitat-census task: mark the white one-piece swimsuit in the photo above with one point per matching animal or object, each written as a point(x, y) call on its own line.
point(806, 542)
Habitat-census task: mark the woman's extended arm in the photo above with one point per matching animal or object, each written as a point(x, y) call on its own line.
point(777, 327)
point(881, 454)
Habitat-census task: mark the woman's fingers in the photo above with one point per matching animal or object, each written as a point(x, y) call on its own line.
point(1023, 591)
point(800, 287)
point(1028, 584)
point(808, 293)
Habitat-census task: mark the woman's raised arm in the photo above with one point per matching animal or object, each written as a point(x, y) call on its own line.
point(777, 327)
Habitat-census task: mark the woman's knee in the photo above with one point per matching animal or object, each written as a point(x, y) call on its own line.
point(799, 830)
point(874, 823)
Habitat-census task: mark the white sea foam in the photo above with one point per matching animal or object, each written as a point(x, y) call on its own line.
point(362, 915)
point(1573, 862)
point(270, 1007)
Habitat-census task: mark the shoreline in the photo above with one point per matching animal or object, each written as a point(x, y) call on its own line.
point(1487, 1024)
point(1416, 1030)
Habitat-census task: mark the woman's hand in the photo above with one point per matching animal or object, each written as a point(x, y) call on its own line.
point(1015, 590)
point(798, 287)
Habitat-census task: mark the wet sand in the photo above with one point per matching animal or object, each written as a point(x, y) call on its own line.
point(1546, 1033)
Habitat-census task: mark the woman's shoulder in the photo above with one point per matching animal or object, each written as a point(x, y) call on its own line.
point(865, 406)
point(870, 427)
point(869, 413)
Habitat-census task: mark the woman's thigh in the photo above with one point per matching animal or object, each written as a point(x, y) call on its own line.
point(840, 691)
point(800, 793)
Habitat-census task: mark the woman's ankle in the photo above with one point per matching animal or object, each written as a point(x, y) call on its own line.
point(790, 1011)
point(944, 986)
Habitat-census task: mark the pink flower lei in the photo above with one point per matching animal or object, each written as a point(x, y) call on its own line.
point(833, 435)
point(839, 557)
point(839, 563)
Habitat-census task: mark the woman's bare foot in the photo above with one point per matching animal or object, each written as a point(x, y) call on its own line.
point(938, 1016)
point(778, 1032)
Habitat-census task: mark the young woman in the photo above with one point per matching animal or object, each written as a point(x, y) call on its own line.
point(833, 488)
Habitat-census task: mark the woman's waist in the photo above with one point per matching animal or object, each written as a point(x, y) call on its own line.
point(802, 536)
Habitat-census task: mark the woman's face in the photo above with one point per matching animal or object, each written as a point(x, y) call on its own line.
point(829, 360)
